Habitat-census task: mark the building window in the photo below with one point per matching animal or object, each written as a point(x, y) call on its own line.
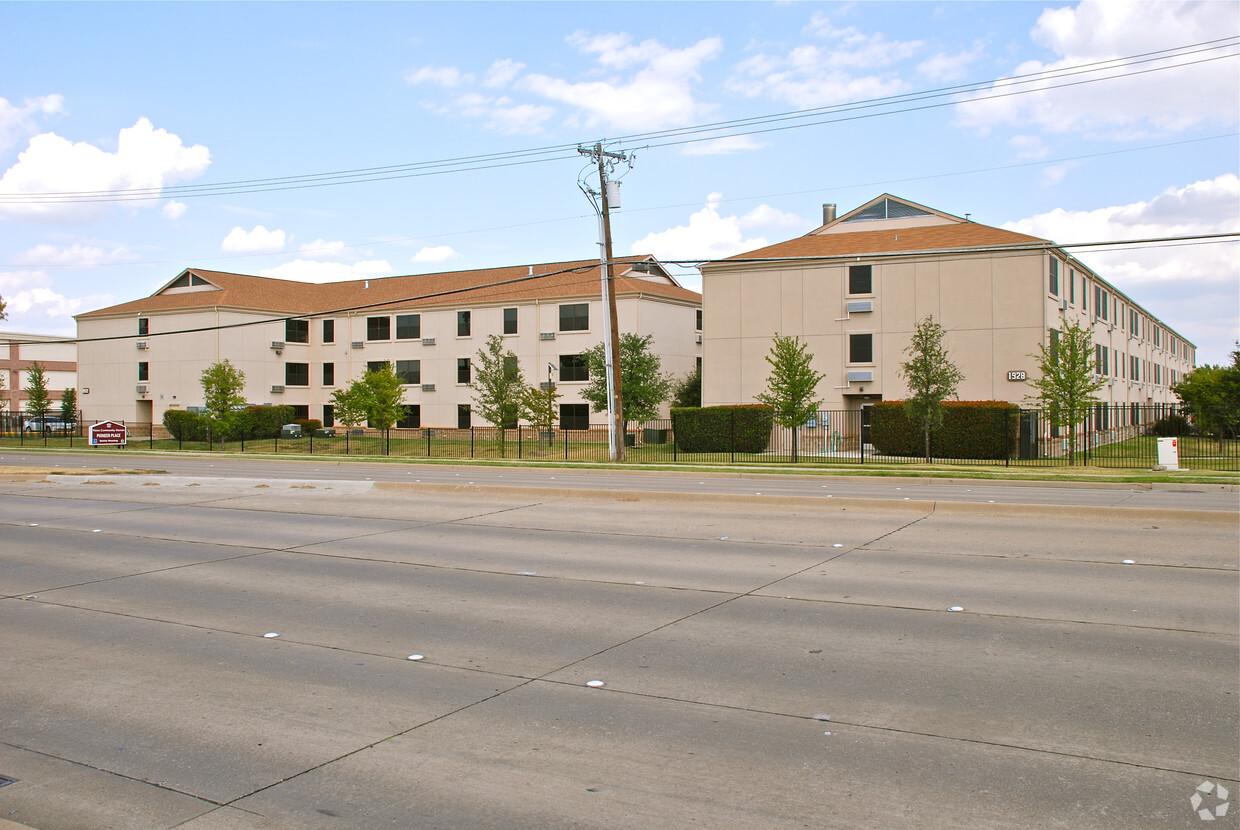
point(860, 348)
point(1072, 287)
point(462, 416)
point(697, 326)
point(1134, 367)
point(329, 415)
point(574, 416)
point(408, 326)
point(296, 331)
point(510, 321)
point(301, 412)
point(462, 324)
point(144, 326)
point(573, 367)
point(375, 365)
point(144, 371)
point(378, 328)
point(412, 419)
point(462, 370)
point(329, 374)
point(329, 331)
point(860, 279)
point(1054, 349)
point(409, 371)
point(575, 317)
point(1054, 277)
point(297, 374)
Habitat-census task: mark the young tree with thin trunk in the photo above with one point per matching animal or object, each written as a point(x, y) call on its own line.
point(1067, 380)
point(349, 404)
point(68, 406)
point(38, 401)
point(644, 384)
point(791, 386)
point(542, 407)
point(931, 376)
point(384, 396)
point(222, 386)
point(498, 388)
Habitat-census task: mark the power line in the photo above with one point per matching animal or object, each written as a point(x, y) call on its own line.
point(1123, 244)
point(796, 119)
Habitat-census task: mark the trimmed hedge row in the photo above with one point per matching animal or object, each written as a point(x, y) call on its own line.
point(723, 428)
point(251, 422)
point(970, 429)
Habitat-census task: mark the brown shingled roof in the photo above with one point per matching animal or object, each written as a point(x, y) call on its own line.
point(454, 288)
point(892, 240)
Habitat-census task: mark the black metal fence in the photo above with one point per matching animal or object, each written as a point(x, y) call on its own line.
point(1113, 436)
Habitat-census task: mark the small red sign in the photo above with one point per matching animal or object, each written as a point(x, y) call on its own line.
point(107, 433)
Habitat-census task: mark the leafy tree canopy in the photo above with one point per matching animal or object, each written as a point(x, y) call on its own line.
point(38, 400)
point(222, 386)
point(1066, 381)
point(644, 387)
point(498, 385)
point(792, 384)
point(931, 375)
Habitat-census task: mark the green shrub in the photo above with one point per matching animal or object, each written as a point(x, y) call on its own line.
point(186, 426)
point(970, 429)
point(744, 429)
point(1172, 426)
point(308, 425)
point(261, 421)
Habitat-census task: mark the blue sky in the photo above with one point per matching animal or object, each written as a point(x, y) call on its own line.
point(106, 97)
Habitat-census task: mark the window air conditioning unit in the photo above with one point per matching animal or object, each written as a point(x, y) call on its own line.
point(428, 341)
point(141, 389)
point(546, 335)
point(358, 344)
point(428, 387)
point(855, 306)
point(861, 376)
point(699, 338)
point(1063, 304)
point(143, 345)
point(275, 387)
point(277, 344)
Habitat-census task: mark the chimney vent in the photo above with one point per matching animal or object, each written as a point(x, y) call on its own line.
point(828, 214)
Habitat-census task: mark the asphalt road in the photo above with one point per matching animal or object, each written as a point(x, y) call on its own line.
point(964, 491)
point(773, 661)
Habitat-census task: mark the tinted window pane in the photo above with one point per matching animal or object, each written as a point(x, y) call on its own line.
point(860, 348)
point(296, 374)
point(574, 416)
point(510, 321)
point(409, 371)
point(575, 317)
point(378, 328)
point(297, 331)
point(860, 279)
point(462, 324)
point(408, 326)
point(573, 368)
point(329, 331)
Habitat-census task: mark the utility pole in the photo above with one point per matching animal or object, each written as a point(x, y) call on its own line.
point(611, 328)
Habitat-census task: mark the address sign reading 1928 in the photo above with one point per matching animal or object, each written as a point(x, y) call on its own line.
point(1016, 374)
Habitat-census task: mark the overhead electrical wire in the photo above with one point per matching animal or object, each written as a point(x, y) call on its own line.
point(1167, 241)
point(796, 119)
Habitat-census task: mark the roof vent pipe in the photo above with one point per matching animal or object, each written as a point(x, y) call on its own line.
point(828, 214)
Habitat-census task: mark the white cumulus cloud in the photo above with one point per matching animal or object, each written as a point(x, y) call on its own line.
point(708, 235)
point(1192, 287)
point(438, 253)
point(307, 270)
point(241, 241)
point(848, 65)
point(173, 209)
point(325, 249)
point(145, 157)
point(34, 305)
point(1149, 103)
point(722, 146)
point(19, 121)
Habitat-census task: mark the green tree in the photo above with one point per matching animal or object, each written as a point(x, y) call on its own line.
point(38, 401)
point(349, 405)
point(1067, 382)
point(384, 396)
point(542, 407)
point(791, 386)
point(222, 387)
point(931, 376)
point(687, 391)
point(645, 386)
point(1211, 395)
point(68, 406)
point(498, 388)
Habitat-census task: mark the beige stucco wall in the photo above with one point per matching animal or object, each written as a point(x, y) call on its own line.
point(110, 367)
point(996, 307)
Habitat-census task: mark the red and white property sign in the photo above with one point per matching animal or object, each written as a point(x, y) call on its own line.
point(107, 434)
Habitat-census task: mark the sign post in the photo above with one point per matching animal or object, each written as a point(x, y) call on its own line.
point(107, 434)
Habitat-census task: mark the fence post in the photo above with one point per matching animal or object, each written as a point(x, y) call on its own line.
point(428, 443)
point(471, 442)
